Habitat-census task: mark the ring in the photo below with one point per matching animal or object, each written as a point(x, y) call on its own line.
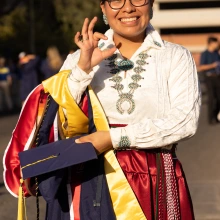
point(84, 39)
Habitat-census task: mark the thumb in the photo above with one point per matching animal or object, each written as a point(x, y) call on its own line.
point(78, 141)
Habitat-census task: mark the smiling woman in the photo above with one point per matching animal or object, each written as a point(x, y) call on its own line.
point(133, 97)
point(128, 18)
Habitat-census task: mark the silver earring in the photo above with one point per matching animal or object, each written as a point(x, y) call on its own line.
point(151, 13)
point(105, 19)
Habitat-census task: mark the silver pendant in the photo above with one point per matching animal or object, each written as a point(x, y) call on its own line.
point(125, 97)
point(125, 65)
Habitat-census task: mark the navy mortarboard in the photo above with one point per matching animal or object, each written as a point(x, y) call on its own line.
point(55, 156)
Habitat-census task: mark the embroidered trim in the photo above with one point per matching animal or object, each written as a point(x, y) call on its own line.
point(39, 161)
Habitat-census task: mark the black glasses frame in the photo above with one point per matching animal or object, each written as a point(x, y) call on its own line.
point(109, 2)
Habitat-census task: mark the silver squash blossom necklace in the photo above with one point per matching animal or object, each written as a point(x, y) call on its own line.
point(125, 65)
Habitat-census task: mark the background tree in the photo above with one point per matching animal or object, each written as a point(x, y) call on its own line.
point(8, 5)
point(56, 22)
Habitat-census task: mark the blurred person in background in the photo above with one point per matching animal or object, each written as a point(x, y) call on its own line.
point(144, 98)
point(28, 66)
point(209, 64)
point(52, 64)
point(218, 67)
point(5, 83)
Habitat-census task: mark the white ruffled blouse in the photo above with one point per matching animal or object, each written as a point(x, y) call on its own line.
point(167, 105)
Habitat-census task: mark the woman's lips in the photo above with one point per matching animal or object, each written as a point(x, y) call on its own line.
point(125, 20)
point(129, 21)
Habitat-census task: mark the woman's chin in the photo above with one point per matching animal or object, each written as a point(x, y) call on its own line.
point(135, 34)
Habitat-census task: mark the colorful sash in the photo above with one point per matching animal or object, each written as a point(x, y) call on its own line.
point(123, 198)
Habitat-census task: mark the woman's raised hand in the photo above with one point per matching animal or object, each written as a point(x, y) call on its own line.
point(87, 41)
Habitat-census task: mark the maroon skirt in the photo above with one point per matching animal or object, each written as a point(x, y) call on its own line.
point(159, 183)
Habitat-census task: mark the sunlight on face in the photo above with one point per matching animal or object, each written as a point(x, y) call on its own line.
point(129, 21)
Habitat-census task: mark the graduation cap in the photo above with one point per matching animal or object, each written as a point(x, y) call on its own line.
point(55, 156)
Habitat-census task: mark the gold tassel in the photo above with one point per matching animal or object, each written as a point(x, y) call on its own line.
point(21, 203)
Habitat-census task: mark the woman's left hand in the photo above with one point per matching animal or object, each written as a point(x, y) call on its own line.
point(101, 140)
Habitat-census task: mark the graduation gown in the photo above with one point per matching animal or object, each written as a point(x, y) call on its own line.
point(75, 182)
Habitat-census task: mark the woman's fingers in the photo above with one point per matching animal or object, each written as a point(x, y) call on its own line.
point(83, 139)
point(91, 27)
point(85, 27)
point(87, 41)
point(77, 40)
point(84, 33)
point(97, 36)
point(92, 24)
point(88, 35)
point(78, 141)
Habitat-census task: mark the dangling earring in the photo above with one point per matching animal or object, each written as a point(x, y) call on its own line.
point(105, 19)
point(151, 13)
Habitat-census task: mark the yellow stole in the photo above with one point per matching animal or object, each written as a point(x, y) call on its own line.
point(124, 201)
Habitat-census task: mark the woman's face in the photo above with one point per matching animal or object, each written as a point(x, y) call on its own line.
point(129, 21)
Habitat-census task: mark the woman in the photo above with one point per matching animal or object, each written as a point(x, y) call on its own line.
point(5, 83)
point(150, 89)
point(52, 64)
point(149, 93)
point(28, 64)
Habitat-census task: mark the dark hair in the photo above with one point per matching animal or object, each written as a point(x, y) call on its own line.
point(212, 39)
point(102, 1)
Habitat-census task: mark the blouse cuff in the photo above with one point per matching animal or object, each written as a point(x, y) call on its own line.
point(79, 75)
point(117, 133)
point(78, 82)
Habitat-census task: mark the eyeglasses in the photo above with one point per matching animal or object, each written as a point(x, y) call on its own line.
point(118, 4)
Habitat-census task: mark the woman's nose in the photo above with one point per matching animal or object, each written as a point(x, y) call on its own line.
point(128, 7)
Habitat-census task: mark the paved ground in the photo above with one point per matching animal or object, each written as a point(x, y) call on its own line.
point(200, 157)
point(8, 204)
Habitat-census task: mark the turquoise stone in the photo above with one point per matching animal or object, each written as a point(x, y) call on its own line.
point(101, 45)
point(157, 43)
point(125, 65)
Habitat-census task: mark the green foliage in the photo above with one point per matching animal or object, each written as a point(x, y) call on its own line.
point(72, 13)
point(56, 22)
point(13, 30)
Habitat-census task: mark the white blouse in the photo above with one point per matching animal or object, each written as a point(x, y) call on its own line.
point(167, 105)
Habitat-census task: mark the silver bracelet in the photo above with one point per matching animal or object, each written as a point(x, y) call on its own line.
point(124, 142)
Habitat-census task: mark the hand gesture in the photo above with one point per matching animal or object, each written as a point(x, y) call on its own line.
point(87, 41)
